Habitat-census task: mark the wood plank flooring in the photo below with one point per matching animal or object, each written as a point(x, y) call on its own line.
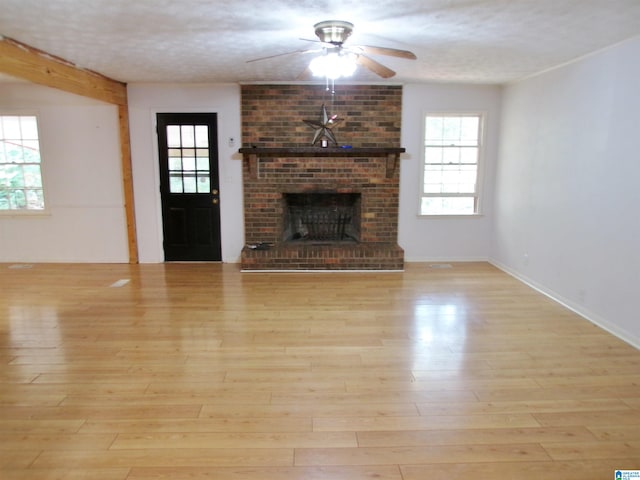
point(199, 371)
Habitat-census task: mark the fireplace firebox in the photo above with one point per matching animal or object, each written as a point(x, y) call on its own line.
point(321, 217)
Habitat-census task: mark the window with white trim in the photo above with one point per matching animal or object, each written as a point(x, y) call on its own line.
point(452, 153)
point(20, 162)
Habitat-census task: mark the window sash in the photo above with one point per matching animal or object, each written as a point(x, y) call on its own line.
point(21, 187)
point(451, 164)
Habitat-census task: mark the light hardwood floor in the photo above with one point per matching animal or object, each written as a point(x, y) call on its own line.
point(198, 371)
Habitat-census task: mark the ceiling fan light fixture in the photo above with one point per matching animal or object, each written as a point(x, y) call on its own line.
point(339, 61)
point(333, 65)
point(333, 31)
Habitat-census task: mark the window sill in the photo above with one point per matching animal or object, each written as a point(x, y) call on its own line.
point(451, 215)
point(24, 214)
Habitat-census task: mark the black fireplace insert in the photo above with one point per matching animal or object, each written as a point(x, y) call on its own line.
point(321, 217)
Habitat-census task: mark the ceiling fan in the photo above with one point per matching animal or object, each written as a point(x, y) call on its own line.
point(332, 34)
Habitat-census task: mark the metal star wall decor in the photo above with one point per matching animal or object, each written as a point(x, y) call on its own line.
point(323, 126)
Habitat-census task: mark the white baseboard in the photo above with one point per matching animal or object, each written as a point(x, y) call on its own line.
point(346, 270)
point(592, 317)
point(409, 259)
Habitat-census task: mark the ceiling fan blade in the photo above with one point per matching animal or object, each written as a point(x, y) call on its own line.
point(282, 55)
point(375, 67)
point(324, 44)
point(392, 52)
point(311, 40)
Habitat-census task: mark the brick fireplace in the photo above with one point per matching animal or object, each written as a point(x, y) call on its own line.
point(313, 208)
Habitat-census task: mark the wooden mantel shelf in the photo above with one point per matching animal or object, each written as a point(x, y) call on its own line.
point(321, 152)
point(251, 154)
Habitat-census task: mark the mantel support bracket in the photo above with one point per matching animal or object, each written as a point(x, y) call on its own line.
point(392, 164)
point(252, 164)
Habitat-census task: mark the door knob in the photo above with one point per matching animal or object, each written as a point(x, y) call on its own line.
point(214, 191)
point(215, 201)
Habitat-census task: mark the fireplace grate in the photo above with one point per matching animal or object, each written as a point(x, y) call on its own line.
point(324, 217)
point(328, 226)
point(321, 224)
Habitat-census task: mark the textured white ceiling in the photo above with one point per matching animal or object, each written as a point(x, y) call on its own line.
point(473, 41)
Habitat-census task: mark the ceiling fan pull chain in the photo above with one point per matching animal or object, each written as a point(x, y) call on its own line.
point(333, 86)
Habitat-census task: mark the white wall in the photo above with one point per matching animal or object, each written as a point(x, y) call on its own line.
point(446, 238)
point(567, 186)
point(145, 100)
point(79, 140)
point(451, 239)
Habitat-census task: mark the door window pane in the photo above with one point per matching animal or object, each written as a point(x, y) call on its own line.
point(175, 183)
point(204, 183)
point(189, 163)
point(188, 159)
point(189, 182)
point(202, 164)
point(175, 164)
point(173, 136)
point(202, 136)
point(188, 136)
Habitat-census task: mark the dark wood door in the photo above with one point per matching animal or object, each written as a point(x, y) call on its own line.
point(189, 186)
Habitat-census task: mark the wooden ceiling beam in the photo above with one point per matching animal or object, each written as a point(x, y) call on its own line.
point(22, 61)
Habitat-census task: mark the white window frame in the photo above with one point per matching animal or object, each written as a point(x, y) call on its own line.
point(477, 195)
point(25, 211)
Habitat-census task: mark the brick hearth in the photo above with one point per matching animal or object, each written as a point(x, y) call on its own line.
point(370, 169)
point(291, 256)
